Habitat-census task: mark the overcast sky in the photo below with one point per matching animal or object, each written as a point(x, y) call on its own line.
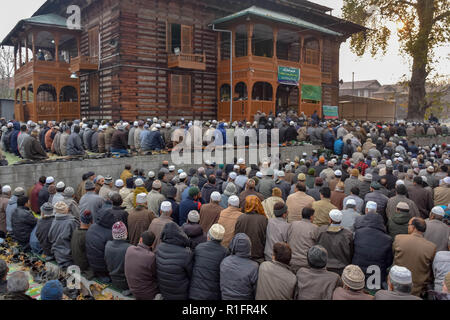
point(386, 69)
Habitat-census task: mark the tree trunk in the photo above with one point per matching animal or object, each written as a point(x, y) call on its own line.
point(416, 97)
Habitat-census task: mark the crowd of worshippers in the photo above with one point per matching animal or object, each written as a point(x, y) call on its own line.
point(321, 227)
point(34, 141)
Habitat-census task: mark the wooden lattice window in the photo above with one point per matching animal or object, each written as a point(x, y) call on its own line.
point(179, 36)
point(180, 90)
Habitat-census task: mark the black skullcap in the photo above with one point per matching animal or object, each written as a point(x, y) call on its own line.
point(317, 257)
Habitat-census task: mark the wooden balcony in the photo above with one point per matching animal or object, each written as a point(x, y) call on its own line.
point(83, 63)
point(187, 61)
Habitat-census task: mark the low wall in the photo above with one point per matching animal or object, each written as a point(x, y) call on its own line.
point(71, 171)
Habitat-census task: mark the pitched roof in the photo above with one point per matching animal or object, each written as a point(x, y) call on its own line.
point(275, 16)
point(50, 19)
point(359, 84)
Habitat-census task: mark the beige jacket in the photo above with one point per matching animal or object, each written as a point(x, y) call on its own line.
point(268, 205)
point(302, 235)
point(228, 218)
point(295, 203)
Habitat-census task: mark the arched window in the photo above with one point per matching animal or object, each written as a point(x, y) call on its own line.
point(24, 95)
point(262, 91)
point(262, 41)
point(240, 91)
point(46, 92)
point(225, 92)
point(45, 46)
point(288, 45)
point(241, 41)
point(30, 93)
point(68, 94)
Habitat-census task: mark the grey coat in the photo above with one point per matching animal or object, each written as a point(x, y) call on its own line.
point(350, 183)
point(60, 235)
point(316, 284)
point(275, 282)
point(238, 274)
point(438, 233)
point(277, 231)
point(74, 145)
point(91, 201)
point(265, 187)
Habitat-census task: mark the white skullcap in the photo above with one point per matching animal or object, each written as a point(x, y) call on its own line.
point(233, 175)
point(139, 182)
point(438, 210)
point(208, 162)
point(60, 185)
point(180, 171)
point(193, 216)
point(183, 175)
point(447, 161)
point(338, 173)
point(136, 124)
point(151, 174)
point(400, 159)
point(447, 180)
point(430, 169)
point(168, 125)
point(371, 205)
point(259, 174)
point(233, 201)
point(240, 161)
point(280, 174)
point(236, 167)
point(49, 180)
point(397, 154)
point(155, 119)
point(217, 231)
point(400, 275)
point(292, 123)
point(336, 215)
point(166, 206)
point(388, 163)
point(215, 196)
point(350, 202)
point(6, 189)
point(119, 183)
point(171, 168)
point(399, 182)
point(141, 198)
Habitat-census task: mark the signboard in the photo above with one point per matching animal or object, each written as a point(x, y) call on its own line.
point(330, 112)
point(288, 76)
point(311, 92)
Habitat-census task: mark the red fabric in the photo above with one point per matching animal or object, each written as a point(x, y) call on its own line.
point(363, 167)
point(34, 197)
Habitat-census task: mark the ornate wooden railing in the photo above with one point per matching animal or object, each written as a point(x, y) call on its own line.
point(187, 61)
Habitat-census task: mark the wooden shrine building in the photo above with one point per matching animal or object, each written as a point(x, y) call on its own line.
point(135, 59)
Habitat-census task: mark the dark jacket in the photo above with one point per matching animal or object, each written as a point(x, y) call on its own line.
point(185, 207)
point(78, 246)
point(60, 235)
point(32, 149)
point(372, 245)
point(207, 190)
point(119, 215)
point(115, 251)
point(174, 263)
point(13, 138)
point(23, 223)
point(398, 223)
point(254, 225)
point(339, 243)
point(43, 228)
point(195, 234)
point(96, 238)
point(74, 145)
point(140, 272)
point(205, 282)
point(119, 140)
point(43, 195)
point(239, 274)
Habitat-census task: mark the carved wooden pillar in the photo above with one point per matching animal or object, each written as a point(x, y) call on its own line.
point(15, 59)
point(249, 40)
point(20, 53)
point(57, 48)
point(275, 37)
point(34, 47)
point(302, 42)
point(26, 53)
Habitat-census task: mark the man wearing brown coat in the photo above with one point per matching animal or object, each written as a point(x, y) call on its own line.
point(228, 218)
point(323, 207)
point(392, 203)
point(297, 201)
point(4, 199)
point(421, 196)
point(315, 282)
point(442, 193)
point(416, 253)
point(302, 235)
point(157, 225)
point(437, 231)
point(139, 219)
point(210, 213)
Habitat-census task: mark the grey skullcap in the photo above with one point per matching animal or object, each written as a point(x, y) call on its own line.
point(69, 192)
point(47, 209)
point(230, 190)
point(89, 185)
point(194, 181)
point(368, 177)
point(400, 275)
point(317, 257)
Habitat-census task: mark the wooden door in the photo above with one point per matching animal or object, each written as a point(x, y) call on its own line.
point(94, 90)
point(94, 42)
point(186, 39)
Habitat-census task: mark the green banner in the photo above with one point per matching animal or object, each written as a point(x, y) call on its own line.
point(311, 92)
point(330, 112)
point(289, 76)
